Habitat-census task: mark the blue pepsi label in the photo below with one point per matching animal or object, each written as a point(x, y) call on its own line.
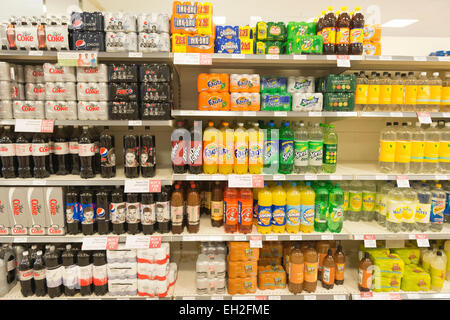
point(72, 212)
point(87, 213)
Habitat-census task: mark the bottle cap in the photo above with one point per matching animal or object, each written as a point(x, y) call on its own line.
point(330, 253)
point(330, 8)
point(211, 124)
point(439, 253)
point(293, 184)
point(357, 9)
point(344, 9)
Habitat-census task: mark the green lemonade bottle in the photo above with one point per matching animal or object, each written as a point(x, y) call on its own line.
point(271, 136)
point(335, 209)
point(330, 142)
point(321, 209)
point(286, 149)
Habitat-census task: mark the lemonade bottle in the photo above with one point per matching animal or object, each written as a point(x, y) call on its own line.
point(335, 209)
point(226, 149)
point(431, 151)
point(255, 149)
point(265, 210)
point(395, 210)
point(354, 200)
point(240, 149)
point(293, 208)
point(307, 205)
point(211, 137)
point(278, 209)
point(423, 92)
point(321, 209)
point(447, 252)
point(271, 151)
point(438, 268)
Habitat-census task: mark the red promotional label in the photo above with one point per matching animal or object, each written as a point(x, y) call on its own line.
point(369, 237)
point(154, 186)
point(206, 58)
point(47, 126)
point(258, 181)
point(155, 242)
point(112, 243)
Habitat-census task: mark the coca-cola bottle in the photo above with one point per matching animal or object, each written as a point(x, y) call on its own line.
point(26, 275)
point(97, 159)
point(39, 275)
point(117, 211)
point(180, 148)
point(107, 154)
point(72, 205)
point(87, 212)
point(40, 153)
point(85, 273)
point(86, 151)
point(147, 154)
point(99, 274)
point(50, 160)
point(73, 150)
point(42, 43)
point(195, 153)
point(133, 213)
point(61, 152)
point(54, 278)
point(7, 153)
point(102, 211)
point(23, 154)
point(131, 154)
point(70, 275)
point(148, 213)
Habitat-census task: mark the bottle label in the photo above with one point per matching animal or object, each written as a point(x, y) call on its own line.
point(117, 212)
point(385, 94)
point(435, 94)
point(437, 277)
point(148, 214)
point(293, 215)
point(226, 152)
point(163, 211)
point(245, 213)
point(387, 151)
point(356, 35)
point(255, 153)
point(329, 35)
point(100, 275)
point(87, 213)
point(73, 147)
point(374, 94)
point(361, 93)
point(195, 154)
point(365, 278)
point(72, 212)
point(107, 157)
point(445, 96)
point(417, 151)
point(408, 213)
point(85, 275)
point(207, 200)
point(355, 202)
point(241, 153)
point(39, 274)
point(286, 151)
point(301, 153)
point(382, 205)
point(431, 152)
point(61, 148)
point(423, 94)
point(328, 275)
point(55, 277)
point(368, 203)
point(398, 92)
point(296, 273)
point(311, 269)
point(40, 149)
point(179, 153)
point(210, 153)
point(345, 206)
point(177, 215)
point(320, 214)
point(336, 214)
point(395, 210)
point(270, 151)
point(307, 215)
point(315, 153)
point(422, 214)
point(278, 215)
point(217, 210)
point(410, 94)
point(264, 215)
point(26, 275)
point(329, 153)
point(444, 151)
point(231, 213)
point(343, 36)
point(340, 269)
point(437, 210)
point(131, 157)
point(86, 150)
point(22, 149)
point(133, 212)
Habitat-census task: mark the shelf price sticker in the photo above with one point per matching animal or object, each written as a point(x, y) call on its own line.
point(280, 113)
point(20, 239)
point(326, 237)
point(94, 243)
point(32, 125)
point(188, 58)
point(132, 123)
point(343, 61)
point(299, 57)
point(422, 240)
point(37, 53)
point(77, 59)
point(272, 56)
point(205, 58)
point(367, 295)
point(370, 241)
point(271, 238)
point(255, 241)
point(424, 117)
point(240, 238)
point(154, 186)
point(155, 242)
point(309, 297)
point(137, 242)
point(395, 296)
point(420, 58)
point(136, 185)
point(295, 238)
point(135, 55)
point(277, 177)
point(402, 182)
point(258, 181)
point(112, 243)
point(240, 181)
point(237, 56)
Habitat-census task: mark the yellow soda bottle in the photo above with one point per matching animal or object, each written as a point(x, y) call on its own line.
point(226, 149)
point(255, 149)
point(255, 204)
point(278, 209)
point(308, 204)
point(211, 137)
point(264, 210)
point(293, 201)
point(240, 150)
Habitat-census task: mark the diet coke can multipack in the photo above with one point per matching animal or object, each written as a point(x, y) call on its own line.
point(11, 88)
point(92, 92)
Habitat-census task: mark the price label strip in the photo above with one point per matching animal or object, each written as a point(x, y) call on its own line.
point(402, 182)
point(240, 181)
point(422, 240)
point(343, 61)
point(137, 242)
point(112, 243)
point(424, 117)
point(94, 243)
point(255, 241)
point(32, 125)
point(155, 242)
point(370, 241)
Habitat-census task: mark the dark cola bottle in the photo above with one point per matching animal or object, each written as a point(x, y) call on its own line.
point(133, 213)
point(102, 211)
point(72, 207)
point(97, 159)
point(23, 155)
point(41, 155)
point(100, 274)
point(107, 154)
point(163, 210)
point(180, 148)
point(51, 147)
point(69, 277)
point(148, 215)
point(196, 149)
point(39, 275)
point(60, 152)
point(26, 275)
point(131, 154)
point(52, 264)
point(85, 272)
point(86, 151)
point(147, 154)
point(117, 211)
point(7, 153)
point(73, 151)
point(87, 212)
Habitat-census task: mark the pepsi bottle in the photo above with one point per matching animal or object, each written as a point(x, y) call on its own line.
point(86, 151)
point(102, 211)
point(23, 155)
point(60, 152)
point(95, 137)
point(73, 151)
point(133, 213)
point(41, 155)
point(72, 204)
point(117, 211)
point(107, 154)
point(131, 154)
point(7, 153)
point(147, 154)
point(87, 212)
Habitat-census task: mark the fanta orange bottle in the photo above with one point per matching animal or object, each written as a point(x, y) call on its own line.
point(264, 210)
point(211, 137)
point(226, 149)
point(240, 150)
point(230, 210)
point(255, 149)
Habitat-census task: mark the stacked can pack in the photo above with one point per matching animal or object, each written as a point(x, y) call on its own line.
point(120, 28)
point(192, 27)
point(270, 37)
point(86, 31)
point(234, 39)
point(338, 92)
point(244, 90)
point(274, 95)
point(211, 268)
point(92, 92)
point(302, 38)
point(303, 96)
point(156, 275)
point(123, 91)
point(122, 271)
point(59, 92)
point(153, 32)
point(12, 90)
point(156, 91)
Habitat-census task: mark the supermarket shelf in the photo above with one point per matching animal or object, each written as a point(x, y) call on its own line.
point(111, 123)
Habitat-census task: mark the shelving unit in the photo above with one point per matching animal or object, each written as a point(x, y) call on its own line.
point(111, 123)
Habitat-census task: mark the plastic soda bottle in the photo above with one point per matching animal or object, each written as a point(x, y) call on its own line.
point(438, 269)
point(286, 149)
point(417, 149)
point(385, 92)
point(431, 151)
point(271, 139)
point(386, 159)
point(410, 101)
point(293, 209)
point(335, 209)
point(438, 200)
point(301, 141)
point(255, 204)
point(330, 143)
point(369, 192)
point(395, 210)
point(321, 209)
point(265, 210)
point(231, 210)
point(354, 200)
point(444, 149)
point(409, 209)
point(423, 92)
point(382, 199)
point(245, 210)
point(435, 92)
point(240, 150)
point(423, 208)
point(255, 149)
point(226, 149)
point(307, 206)
point(403, 149)
point(211, 137)
point(315, 149)
point(278, 209)
point(344, 186)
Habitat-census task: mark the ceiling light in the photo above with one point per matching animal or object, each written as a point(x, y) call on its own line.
point(399, 23)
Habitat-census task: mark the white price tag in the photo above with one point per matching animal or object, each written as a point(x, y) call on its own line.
point(186, 58)
point(255, 241)
point(343, 61)
point(240, 181)
point(274, 297)
point(240, 238)
point(381, 177)
point(441, 177)
point(314, 114)
point(249, 113)
point(134, 123)
point(414, 296)
point(396, 114)
point(294, 238)
point(424, 117)
point(310, 177)
point(31, 125)
point(326, 237)
point(135, 55)
point(216, 297)
point(358, 237)
point(309, 297)
point(443, 58)
point(277, 177)
point(35, 53)
point(280, 113)
point(385, 58)
point(331, 57)
point(137, 242)
point(422, 240)
point(335, 177)
point(402, 182)
point(243, 298)
point(238, 56)
point(420, 58)
point(189, 238)
point(412, 236)
point(20, 239)
point(218, 177)
point(136, 185)
point(339, 297)
point(38, 182)
point(272, 57)
point(299, 56)
point(370, 241)
point(94, 243)
point(271, 238)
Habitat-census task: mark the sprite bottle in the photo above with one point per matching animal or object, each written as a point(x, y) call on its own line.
point(286, 149)
point(270, 151)
point(335, 209)
point(321, 209)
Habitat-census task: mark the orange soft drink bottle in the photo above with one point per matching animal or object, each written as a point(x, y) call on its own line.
point(226, 149)
point(240, 149)
point(231, 210)
point(245, 210)
point(255, 149)
point(211, 137)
